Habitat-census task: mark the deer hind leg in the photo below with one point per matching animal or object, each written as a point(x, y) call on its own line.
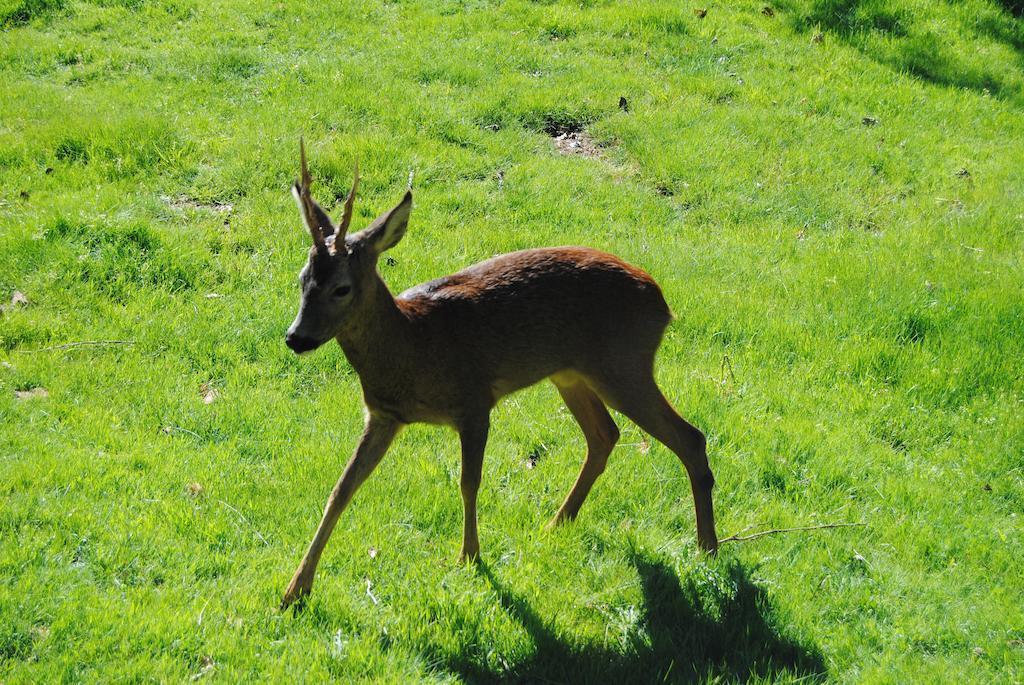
point(376, 439)
point(642, 401)
point(473, 437)
point(601, 434)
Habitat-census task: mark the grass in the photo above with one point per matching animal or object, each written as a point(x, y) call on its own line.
point(832, 198)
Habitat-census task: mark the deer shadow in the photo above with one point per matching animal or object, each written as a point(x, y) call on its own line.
point(680, 639)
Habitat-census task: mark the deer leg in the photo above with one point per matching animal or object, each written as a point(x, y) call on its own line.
point(473, 436)
point(376, 439)
point(601, 434)
point(644, 403)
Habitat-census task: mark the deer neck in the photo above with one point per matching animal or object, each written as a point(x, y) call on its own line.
point(376, 340)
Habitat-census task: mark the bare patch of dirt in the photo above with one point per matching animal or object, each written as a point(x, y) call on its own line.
point(31, 394)
point(209, 393)
point(18, 300)
point(576, 142)
point(183, 202)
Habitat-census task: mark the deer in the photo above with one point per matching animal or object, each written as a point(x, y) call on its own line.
point(446, 351)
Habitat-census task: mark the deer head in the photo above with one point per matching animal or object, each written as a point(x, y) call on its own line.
point(341, 269)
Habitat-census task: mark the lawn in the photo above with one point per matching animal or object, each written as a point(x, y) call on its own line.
point(830, 192)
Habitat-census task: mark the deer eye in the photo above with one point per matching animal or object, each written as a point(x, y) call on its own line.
point(342, 290)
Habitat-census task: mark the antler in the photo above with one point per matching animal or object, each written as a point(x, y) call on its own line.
point(346, 216)
point(306, 202)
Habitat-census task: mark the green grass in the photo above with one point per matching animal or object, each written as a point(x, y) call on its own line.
point(832, 198)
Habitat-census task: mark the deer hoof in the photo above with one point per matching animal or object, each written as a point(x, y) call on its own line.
point(709, 547)
point(295, 595)
point(560, 519)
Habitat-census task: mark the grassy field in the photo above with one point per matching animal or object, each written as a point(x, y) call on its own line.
point(831, 193)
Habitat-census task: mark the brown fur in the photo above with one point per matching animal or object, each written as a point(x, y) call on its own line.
point(446, 351)
point(468, 339)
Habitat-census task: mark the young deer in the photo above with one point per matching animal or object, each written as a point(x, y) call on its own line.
point(446, 351)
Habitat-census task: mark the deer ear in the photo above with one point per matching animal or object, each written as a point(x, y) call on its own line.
point(387, 229)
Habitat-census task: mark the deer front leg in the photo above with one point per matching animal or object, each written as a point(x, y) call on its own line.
point(473, 436)
point(376, 439)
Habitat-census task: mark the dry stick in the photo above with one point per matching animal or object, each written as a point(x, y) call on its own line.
point(170, 429)
point(741, 538)
point(727, 364)
point(84, 343)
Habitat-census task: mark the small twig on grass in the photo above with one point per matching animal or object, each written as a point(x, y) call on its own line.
point(246, 522)
point(84, 343)
point(741, 538)
point(179, 429)
point(199, 621)
point(727, 366)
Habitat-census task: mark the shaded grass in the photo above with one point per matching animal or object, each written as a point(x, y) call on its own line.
point(682, 636)
point(904, 36)
point(22, 12)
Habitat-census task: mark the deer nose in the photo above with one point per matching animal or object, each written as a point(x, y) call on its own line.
point(299, 343)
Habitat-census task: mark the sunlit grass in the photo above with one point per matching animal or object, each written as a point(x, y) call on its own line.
point(830, 196)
